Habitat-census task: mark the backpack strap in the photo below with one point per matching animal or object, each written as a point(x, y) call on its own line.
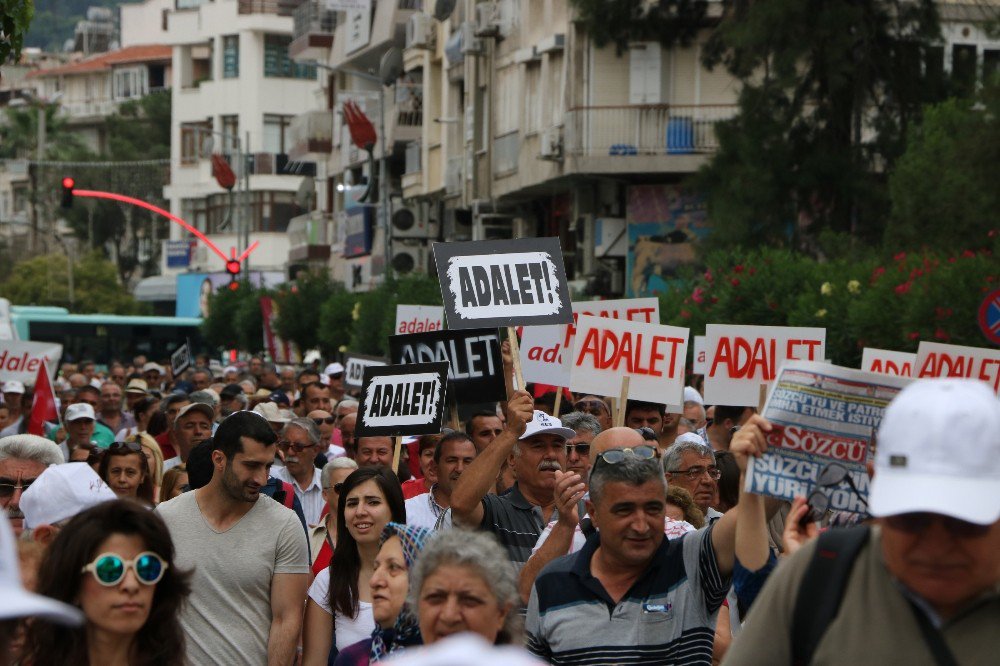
point(289, 499)
point(822, 588)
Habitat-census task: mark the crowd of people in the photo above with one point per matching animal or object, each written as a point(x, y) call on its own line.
point(135, 531)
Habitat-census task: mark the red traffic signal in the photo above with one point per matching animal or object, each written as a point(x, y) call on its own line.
point(233, 268)
point(67, 194)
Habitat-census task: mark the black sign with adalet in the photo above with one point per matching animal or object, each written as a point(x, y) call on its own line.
point(503, 283)
point(180, 360)
point(402, 400)
point(475, 365)
point(354, 368)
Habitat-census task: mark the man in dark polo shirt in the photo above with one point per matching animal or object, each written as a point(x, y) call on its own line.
point(535, 444)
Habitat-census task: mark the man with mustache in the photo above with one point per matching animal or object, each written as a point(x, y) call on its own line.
point(22, 460)
point(299, 442)
point(534, 444)
point(452, 454)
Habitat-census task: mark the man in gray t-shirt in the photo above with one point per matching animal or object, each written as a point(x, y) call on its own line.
point(249, 555)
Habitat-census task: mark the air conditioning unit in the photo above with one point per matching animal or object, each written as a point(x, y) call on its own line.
point(488, 19)
point(552, 144)
point(409, 257)
point(408, 221)
point(457, 224)
point(419, 31)
point(493, 227)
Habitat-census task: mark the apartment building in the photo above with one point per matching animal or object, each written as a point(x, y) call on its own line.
point(235, 92)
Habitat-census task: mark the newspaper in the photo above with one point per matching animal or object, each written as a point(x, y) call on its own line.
point(825, 418)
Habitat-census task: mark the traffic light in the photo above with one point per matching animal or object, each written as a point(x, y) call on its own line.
point(233, 268)
point(67, 197)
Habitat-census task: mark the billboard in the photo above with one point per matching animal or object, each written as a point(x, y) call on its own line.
point(193, 289)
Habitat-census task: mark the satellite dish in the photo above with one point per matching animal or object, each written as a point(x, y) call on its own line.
point(391, 66)
point(303, 197)
point(443, 9)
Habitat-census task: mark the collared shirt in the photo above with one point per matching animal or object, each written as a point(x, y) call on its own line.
point(515, 521)
point(667, 616)
point(311, 498)
point(423, 510)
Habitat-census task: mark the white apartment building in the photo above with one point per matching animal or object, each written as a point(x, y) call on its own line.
point(235, 93)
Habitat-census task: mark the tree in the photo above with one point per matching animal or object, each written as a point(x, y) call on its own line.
point(376, 309)
point(140, 129)
point(299, 307)
point(943, 190)
point(235, 320)
point(15, 17)
point(624, 21)
point(814, 76)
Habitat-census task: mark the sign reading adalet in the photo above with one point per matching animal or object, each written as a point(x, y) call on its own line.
point(402, 400)
point(475, 365)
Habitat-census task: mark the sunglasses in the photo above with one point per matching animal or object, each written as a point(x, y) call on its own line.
point(109, 569)
point(642, 452)
point(7, 487)
point(134, 447)
point(336, 375)
point(329, 420)
point(591, 407)
point(647, 433)
point(295, 446)
point(581, 449)
point(915, 523)
point(337, 487)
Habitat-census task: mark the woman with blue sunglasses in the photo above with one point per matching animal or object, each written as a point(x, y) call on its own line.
point(115, 562)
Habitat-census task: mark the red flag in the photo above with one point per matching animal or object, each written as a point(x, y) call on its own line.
point(43, 407)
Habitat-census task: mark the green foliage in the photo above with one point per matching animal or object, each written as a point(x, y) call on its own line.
point(299, 306)
point(19, 135)
point(44, 280)
point(376, 312)
point(140, 129)
point(624, 21)
point(15, 17)
point(336, 319)
point(944, 189)
point(220, 326)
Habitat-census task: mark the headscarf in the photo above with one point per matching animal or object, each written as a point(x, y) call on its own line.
point(405, 632)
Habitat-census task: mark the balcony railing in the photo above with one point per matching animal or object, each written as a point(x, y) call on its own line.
point(312, 17)
point(644, 130)
point(311, 132)
point(279, 7)
point(102, 107)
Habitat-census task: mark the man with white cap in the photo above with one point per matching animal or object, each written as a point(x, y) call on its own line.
point(18, 603)
point(923, 585)
point(153, 374)
point(80, 420)
point(534, 444)
point(192, 426)
point(58, 494)
point(13, 391)
point(335, 380)
point(22, 459)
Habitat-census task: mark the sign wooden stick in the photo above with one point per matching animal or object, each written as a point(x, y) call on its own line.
point(454, 417)
point(622, 403)
point(762, 398)
point(395, 453)
point(516, 356)
point(555, 409)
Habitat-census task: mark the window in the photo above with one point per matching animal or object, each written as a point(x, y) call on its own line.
point(644, 75)
point(963, 66)
point(991, 64)
point(276, 133)
point(230, 56)
point(130, 83)
point(278, 64)
point(230, 131)
point(194, 140)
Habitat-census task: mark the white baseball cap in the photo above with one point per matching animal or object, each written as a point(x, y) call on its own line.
point(543, 424)
point(80, 410)
point(61, 492)
point(149, 367)
point(691, 395)
point(13, 386)
point(204, 408)
point(18, 602)
point(333, 369)
point(939, 452)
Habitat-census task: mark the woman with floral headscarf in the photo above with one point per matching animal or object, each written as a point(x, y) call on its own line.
point(396, 625)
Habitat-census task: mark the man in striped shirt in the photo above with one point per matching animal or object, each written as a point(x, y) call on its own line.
point(630, 596)
point(299, 443)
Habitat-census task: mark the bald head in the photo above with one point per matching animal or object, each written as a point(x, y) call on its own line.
point(614, 438)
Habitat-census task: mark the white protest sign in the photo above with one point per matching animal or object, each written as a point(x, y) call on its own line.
point(741, 358)
point(935, 359)
point(542, 357)
point(652, 355)
point(354, 368)
point(888, 362)
point(418, 319)
point(19, 360)
point(700, 354)
point(402, 400)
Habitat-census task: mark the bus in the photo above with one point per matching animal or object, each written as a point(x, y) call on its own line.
point(103, 338)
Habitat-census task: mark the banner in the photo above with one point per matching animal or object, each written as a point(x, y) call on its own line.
point(180, 360)
point(418, 319)
point(652, 355)
point(935, 359)
point(503, 283)
point(700, 354)
point(741, 358)
point(825, 418)
point(354, 368)
point(20, 360)
point(475, 365)
point(43, 403)
point(402, 400)
point(886, 362)
point(279, 349)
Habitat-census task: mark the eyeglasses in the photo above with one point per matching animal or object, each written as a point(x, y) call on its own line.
point(647, 433)
point(591, 407)
point(109, 569)
point(616, 455)
point(7, 487)
point(915, 523)
point(329, 420)
point(295, 446)
point(336, 375)
point(829, 476)
point(581, 449)
point(134, 447)
point(337, 487)
point(694, 473)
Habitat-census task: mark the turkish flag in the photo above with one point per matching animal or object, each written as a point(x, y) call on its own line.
point(43, 407)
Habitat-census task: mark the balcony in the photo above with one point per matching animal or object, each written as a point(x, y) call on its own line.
point(311, 136)
point(405, 120)
point(278, 7)
point(309, 237)
point(88, 108)
point(312, 34)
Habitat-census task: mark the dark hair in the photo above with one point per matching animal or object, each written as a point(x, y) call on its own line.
point(723, 412)
point(468, 424)
point(199, 464)
point(87, 388)
point(228, 436)
point(453, 436)
point(345, 566)
point(642, 404)
point(306, 373)
point(120, 449)
point(425, 442)
point(172, 398)
point(729, 482)
point(160, 641)
point(682, 499)
point(321, 386)
point(157, 423)
point(143, 405)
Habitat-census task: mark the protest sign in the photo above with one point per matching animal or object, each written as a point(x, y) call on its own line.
point(354, 368)
point(402, 400)
point(886, 362)
point(503, 283)
point(651, 355)
point(825, 418)
point(700, 354)
point(741, 358)
point(542, 358)
point(20, 360)
point(418, 319)
point(935, 359)
point(180, 360)
point(475, 365)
